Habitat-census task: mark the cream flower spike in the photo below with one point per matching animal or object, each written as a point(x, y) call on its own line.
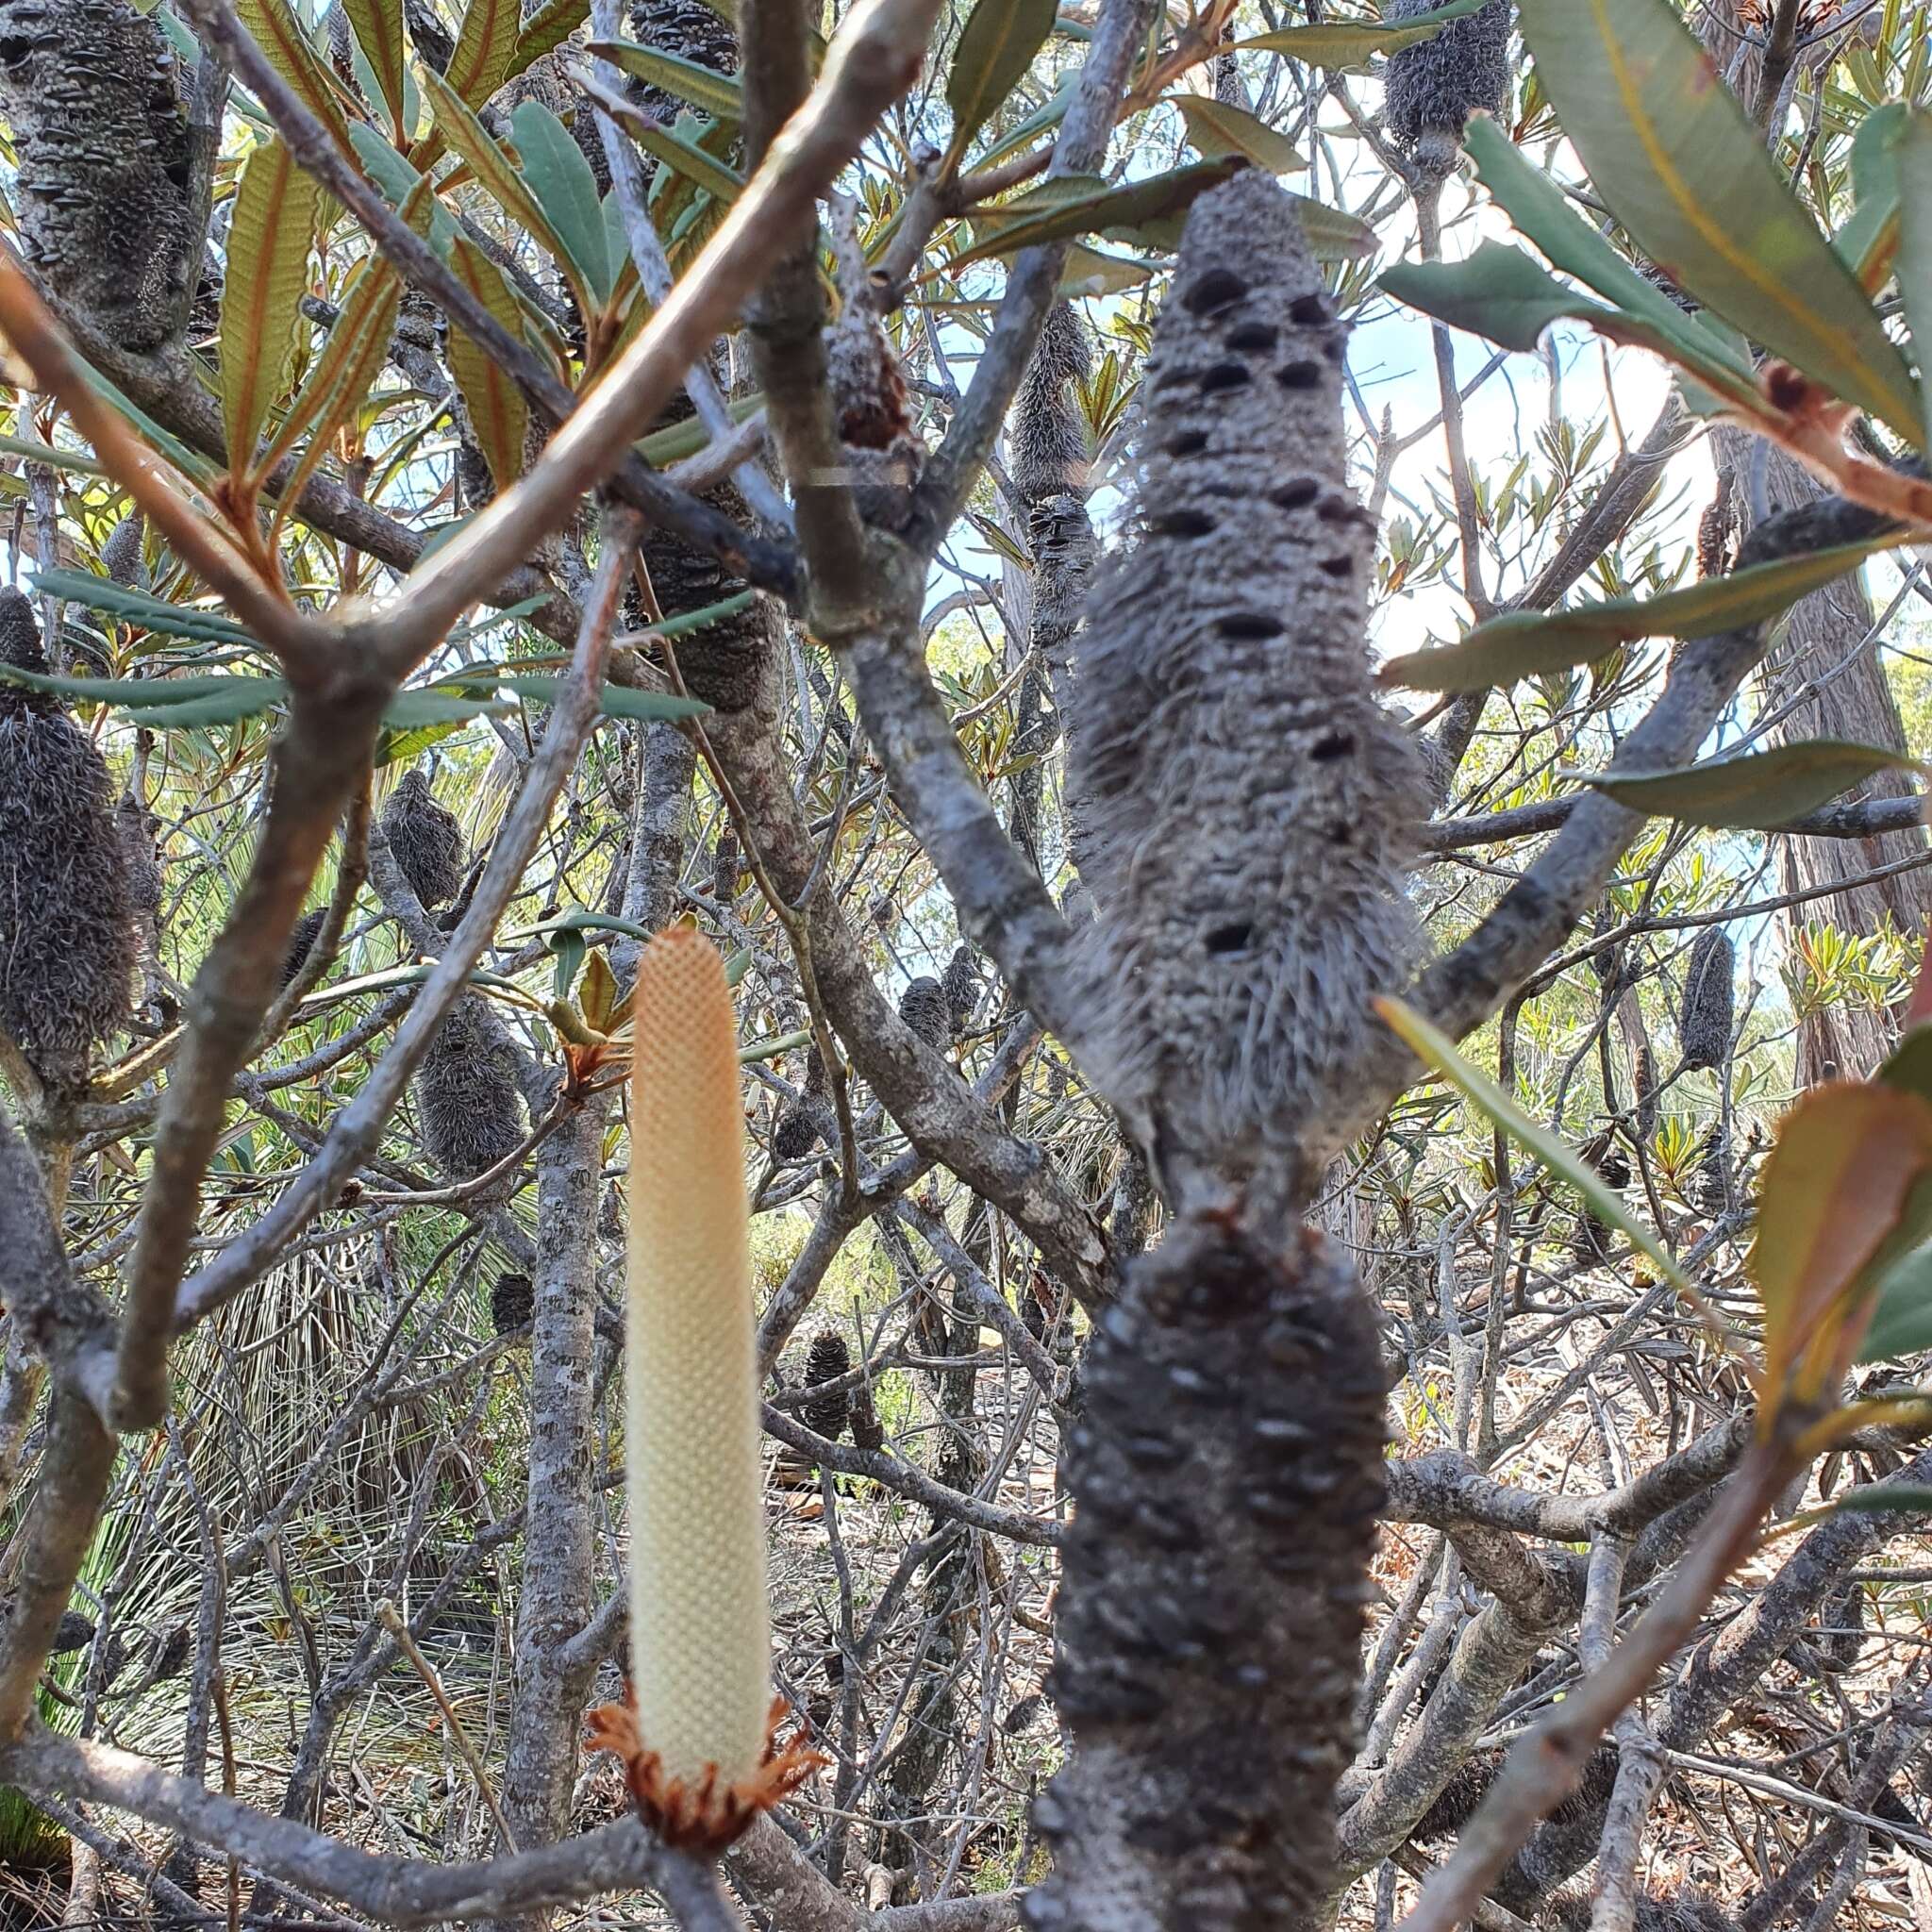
point(696, 1729)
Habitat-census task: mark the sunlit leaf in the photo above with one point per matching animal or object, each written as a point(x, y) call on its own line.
point(1346, 45)
point(498, 412)
point(269, 238)
point(545, 31)
point(281, 37)
point(1083, 205)
point(1527, 643)
point(484, 48)
point(1832, 1192)
point(1757, 790)
point(1215, 128)
point(378, 29)
point(1688, 175)
point(996, 47)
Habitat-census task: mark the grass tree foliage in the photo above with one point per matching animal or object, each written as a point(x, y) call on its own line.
point(1283, 1281)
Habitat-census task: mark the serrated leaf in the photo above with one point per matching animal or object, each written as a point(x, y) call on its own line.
point(712, 92)
point(491, 167)
point(1217, 128)
point(268, 236)
point(378, 29)
point(486, 43)
point(1346, 45)
point(1832, 1192)
point(1430, 1044)
point(1083, 205)
point(137, 607)
point(1685, 171)
point(1758, 792)
point(996, 47)
point(559, 176)
point(410, 710)
point(1914, 161)
point(281, 39)
point(1541, 211)
point(545, 31)
point(242, 698)
point(150, 693)
point(1532, 644)
point(498, 413)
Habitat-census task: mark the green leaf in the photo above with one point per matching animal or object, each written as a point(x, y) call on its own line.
point(268, 237)
point(498, 412)
point(347, 368)
point(1501, 293)
point(560, 179)
point(1902, 1316)
point(378, 28)
point(137, 607)
point(1215, 128)
point(677, 441)
point(1915, 240)
point(1541, 210)
point(1532, 643)
point(1874, 225)
point(485, 45)
point(410, 710)
point(398, 181)
point(1912, 1498)
point(1435, 1046)
point(545, 31)
point(150, 693)
point(1346, 45)
point(996, 47)
point(1084, 204)
point(281, 39)
point(243, 697)
point(472, 142)
point(1758, 792)
point(1094, 271)
point(1689, 176)
point(712, 92)
point(685, 158)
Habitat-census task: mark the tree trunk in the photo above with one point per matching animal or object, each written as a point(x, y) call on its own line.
point(1835, 684)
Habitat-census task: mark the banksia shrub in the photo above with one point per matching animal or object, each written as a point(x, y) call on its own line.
point(826, 1360)
point(425, 839)
point(1709, 1010)
point(68, 937)
point(468, 1103)
point(1431, 88)
point(512, 1302)
point(695, 1729)
point(1226, 639)
point(1047, 443)
point(924, 1008)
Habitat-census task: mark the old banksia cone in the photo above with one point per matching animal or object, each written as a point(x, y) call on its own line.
point(425, 839)
point(1431, 88)
point(1705, 1019)
point(827, 1360)
point(696, 1732)
point(68, 937)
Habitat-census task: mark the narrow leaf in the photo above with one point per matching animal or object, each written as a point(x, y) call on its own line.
point(1759, 790)
point(268, 236)
point(1215, 128)
point(1914, 155)
point(1430, 1044)
point(1082, 205)
point(1913, 1499)
point(1901, 1312)
point(150, 693)
point(378, 28)
point(1532, 644)
point(357, 348)
point(472, 140)
point(485, 45)
point(545, 31)
point(242, 698)
point(712, 92)
point(137, 607)
point(498, 412)
point(1688, 175)
point(685, 158)
point(996, 47)
point(1346, 45)
point(560, 179)
point(281, 39)
point(616, 701)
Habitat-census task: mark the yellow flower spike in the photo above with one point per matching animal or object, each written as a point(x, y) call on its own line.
point(696, 1729)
